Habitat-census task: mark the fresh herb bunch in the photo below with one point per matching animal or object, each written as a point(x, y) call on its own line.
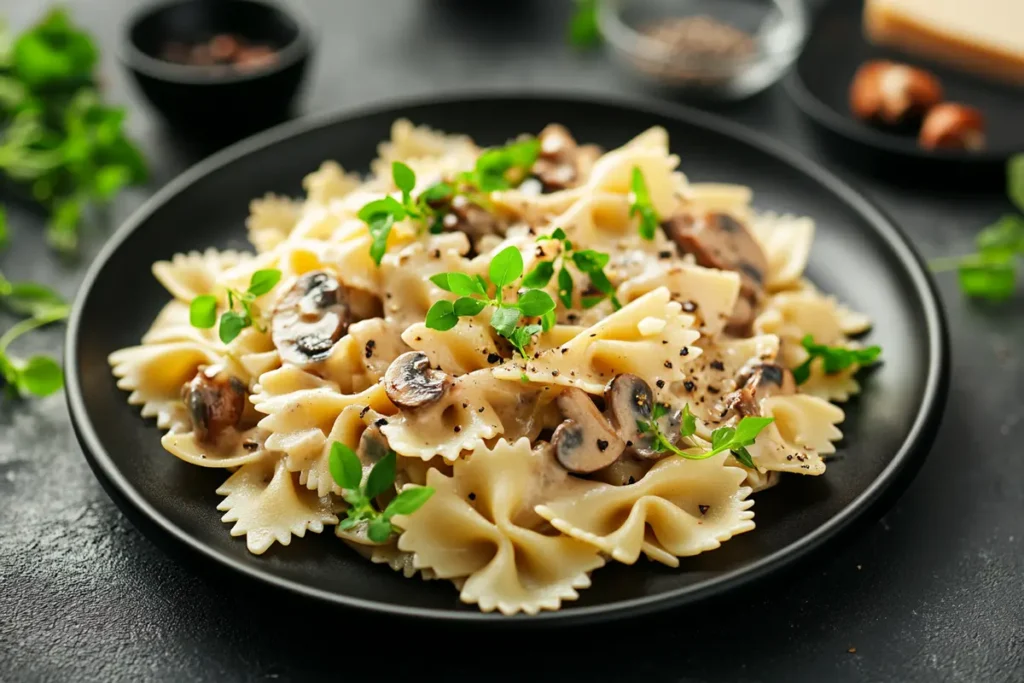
point(59, 141)
point(991, 273)
point(640, 205)
point(587, 261)
point(834, 358)
point(584, 30)
point(202, 312)
point(347, 472)
point(495, 169)
point(474, 296)
point(39, 375)
point(734, 439)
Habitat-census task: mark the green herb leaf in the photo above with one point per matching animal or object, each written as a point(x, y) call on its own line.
point(687, 422)
point(640, 205)
point(834, 358)
point(506, 267)
point(522, 337)
point(748, 429)
point(405, 179)
point(565, 285)
point(40, 376)
point(29, 298)
point(348, 523)
point(992, 278)
point(457, 283)
point(721, 438)
point(504, 320)
point(658, 410)
point(584, 30)
point(408, 501)
point(382, 476)
point(378, 530)
point(4, 235)
point(535, 302)
point(379, 208)
point(346, 468)
point(441, 316)
point(1005, 236)
point(743, 456)
point(465, 306)
point(437, 193)
point(589, 260)
point(53, 53)
point(262, 281)
point(202, 312)
point(231, 325)
point(589, 302)
point(380, 230)
point(547, 321)
point(540, 276)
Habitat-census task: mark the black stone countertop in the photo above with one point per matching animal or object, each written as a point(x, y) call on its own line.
point(932, 592)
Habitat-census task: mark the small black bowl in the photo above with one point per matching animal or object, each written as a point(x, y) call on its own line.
point(216, 101)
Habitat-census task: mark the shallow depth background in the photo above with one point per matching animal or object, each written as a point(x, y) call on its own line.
point(930, 593)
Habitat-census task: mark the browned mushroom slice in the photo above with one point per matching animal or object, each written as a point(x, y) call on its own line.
point(718, 240)
point(764, 380)
point(584, 442)
point(562, 163)
point(310, 318)
point(472, 219)
point(410, 382)
point(627, 399)
point(215, 402)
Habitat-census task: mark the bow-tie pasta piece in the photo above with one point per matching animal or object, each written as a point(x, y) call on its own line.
point(301, 410)
point(467, 347)
point(709, 294)
point(804, 430)
point(409, 142)
point(271, 220)
point(187, 276)
point(680, 508)
point(408, 291)
point(267, 504)
point(720, 198)
point(649, 337)
point(328, 183)
point(786, 240)
point(792, 316)
point(479, 526)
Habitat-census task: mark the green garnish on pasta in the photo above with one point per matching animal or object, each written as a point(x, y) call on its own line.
point(734, 439)
point(202, 311)
point(833, 358)
point(587, 261)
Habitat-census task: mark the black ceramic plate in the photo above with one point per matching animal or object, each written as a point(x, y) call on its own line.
point(858, 254)
point(836, 47)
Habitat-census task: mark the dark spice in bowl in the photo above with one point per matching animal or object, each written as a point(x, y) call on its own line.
point(701, 37)
point(229, 50)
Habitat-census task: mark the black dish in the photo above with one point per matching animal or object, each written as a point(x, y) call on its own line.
point(858, 254)
point(820, 81)
point(211, 103)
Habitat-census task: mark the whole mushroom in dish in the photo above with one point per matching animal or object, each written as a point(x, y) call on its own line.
point(215, 402)
point(584, 442)
point(410, 382)
point(310, 318)
point(719, 240)
point(762, 381)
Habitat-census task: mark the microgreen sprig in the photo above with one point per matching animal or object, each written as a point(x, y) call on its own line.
point(991, 272)
point(347, 472)
point(834, 358)
point(734, 439)
point(39, 375)
point(584, 29)
point(202, 311)
point(474, 296)
point(640, 205)
point(587, 261)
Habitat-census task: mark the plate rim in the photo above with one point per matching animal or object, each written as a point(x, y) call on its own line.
point(828, 118)
point(890, 482)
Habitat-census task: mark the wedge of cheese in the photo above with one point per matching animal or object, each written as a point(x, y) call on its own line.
point(985, 37)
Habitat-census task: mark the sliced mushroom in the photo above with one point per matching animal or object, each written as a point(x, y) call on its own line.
point(472, 219)
point(410, 382)
point(310, 318)
point(584, 442)
point(719, 240)
point(215, 401)
point(562, 163)
point(764, 380)
point(629, 399)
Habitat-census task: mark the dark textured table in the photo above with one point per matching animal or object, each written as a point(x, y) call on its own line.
point(932, 592)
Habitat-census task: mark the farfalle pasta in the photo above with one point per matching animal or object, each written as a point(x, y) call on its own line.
point(503, 367)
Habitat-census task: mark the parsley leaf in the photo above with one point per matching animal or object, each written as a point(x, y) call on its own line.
point(262, 281)
point(506, 267)
point(202, 311)
point(640, 205)
point(441, 316)
point(584, 31)
point(535, 302)
point(504, 321)
point(834, 358)
point(405, 180)
point(565, 285)
point(458, 283)
point(734, 439)
point(346, 469)
point(39, 375)
point(540, 276)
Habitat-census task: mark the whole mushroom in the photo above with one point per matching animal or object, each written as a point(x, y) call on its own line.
point(584, 442)
point(310, 318)
point(215, 402)
point(410, 382)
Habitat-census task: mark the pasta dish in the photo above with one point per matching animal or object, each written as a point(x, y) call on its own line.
point(502, 366)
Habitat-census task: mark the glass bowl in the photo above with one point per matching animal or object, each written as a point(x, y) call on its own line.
point(709, 49)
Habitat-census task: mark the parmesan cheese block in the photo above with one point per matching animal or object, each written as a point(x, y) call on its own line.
point(985, 37)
